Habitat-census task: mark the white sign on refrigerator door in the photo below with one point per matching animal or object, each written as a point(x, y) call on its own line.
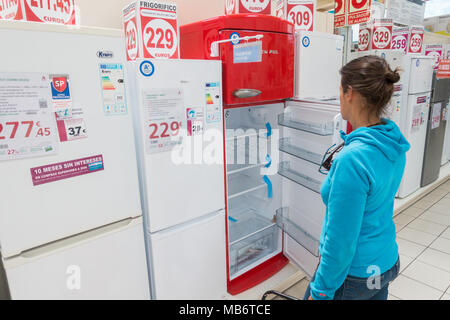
point(27, 123)
point(436, 115)
point(163, 118)
point(113, 89)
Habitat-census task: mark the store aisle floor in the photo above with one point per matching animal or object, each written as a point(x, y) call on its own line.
point(423, 236)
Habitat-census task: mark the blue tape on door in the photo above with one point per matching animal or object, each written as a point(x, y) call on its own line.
point(269, 187)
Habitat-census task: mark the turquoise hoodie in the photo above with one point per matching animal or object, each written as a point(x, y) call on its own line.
point(358, 232)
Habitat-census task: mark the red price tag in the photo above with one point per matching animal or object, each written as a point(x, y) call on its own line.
point(302, 16)
point(399, 43)
point(160, 39)
point(50, 11)
point(131, 38)
point(415, 45)
point(364, 37)
point(255, 6)
point(229, 6)
point(382, 37)
point(9, 9)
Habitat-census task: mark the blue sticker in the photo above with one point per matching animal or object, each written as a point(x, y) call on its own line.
point(306, 41)
point(417, 63)
point(147, 68)
point(383, 55)
point(246, 53)
point(235, 38)
point(95, 166)
point(269, 187)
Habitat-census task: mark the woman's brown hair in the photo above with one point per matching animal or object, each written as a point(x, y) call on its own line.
point(372, 77)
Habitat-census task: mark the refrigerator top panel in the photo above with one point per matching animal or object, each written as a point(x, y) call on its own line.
point(441, 89)
point(241, 22)
point(318, 59)
point(86, 174)
point(177, 110)
point(421, 74)
point(257, 54)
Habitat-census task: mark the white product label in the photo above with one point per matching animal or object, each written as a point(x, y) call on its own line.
point(436, 115)
point(27, 123)
point(163, 119)
point(113, 89)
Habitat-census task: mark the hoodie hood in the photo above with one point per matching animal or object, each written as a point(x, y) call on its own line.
point(387, 138)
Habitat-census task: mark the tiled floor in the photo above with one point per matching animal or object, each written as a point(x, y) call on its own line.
point(423, 237)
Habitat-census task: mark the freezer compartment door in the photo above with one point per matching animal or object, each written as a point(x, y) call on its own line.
point(257, 70)
point(318, 59)
point(181, 103)
point(108, 263)
point(421, 75)
point(189, 261)
point(416, 131)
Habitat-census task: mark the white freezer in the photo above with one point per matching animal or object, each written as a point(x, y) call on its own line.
point(31, 216)
point(106, 263)
point(189, 262)
point(318, 60)
point(174, 193)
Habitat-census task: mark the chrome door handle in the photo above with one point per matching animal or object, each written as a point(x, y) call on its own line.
point(246, 93)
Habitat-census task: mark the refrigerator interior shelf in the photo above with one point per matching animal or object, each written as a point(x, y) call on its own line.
point(323, 129)
point(241, 184)
point(286, 146)
point(244, 223)
point(308, 182)
point(236, 168)
point(244, 132)
point(246, 163)
point(296, 232)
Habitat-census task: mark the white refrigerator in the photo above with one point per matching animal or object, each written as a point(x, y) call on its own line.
point(318, 60)
point(178, 121)
point(70, 216)
point(418, 75)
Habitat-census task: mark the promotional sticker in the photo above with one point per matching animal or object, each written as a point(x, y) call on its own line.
point(213, 95)
point(247, 52)
point(436, 51)
point(443, 69)
point(436, 115)
point(27, 124)
point(65, 170)
point(113, 89)
point(73, 127)
point(164, 112)
point(416, 120)
point(61, 99)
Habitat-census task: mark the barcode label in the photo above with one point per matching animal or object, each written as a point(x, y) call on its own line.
point(3, 146)
point(43, 104)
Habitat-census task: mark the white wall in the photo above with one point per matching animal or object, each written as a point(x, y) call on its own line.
point(108, 13)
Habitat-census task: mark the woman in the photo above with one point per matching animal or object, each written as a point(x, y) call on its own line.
point(359, 253)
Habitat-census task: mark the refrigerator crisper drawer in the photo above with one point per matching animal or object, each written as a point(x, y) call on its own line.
point(248, 248)
point(107, 263)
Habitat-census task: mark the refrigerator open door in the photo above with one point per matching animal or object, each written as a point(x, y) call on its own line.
point(189, 261)
point(179, 182)
point(309, 132)
point(106, 263)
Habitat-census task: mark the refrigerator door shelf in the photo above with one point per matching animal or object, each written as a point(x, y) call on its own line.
point(106, 263)
point(189, 261)
point(299, 232)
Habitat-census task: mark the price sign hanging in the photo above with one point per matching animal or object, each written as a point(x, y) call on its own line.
point(382, 34)
point(302, 14)
point(340, 13)
point(10, 10)
point(400, 39)
point(27, 125)
point(255, 6)
point(358, 11)
point(50, 11)
point(416, 39)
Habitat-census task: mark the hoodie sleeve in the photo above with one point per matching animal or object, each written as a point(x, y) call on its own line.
point(346, 206)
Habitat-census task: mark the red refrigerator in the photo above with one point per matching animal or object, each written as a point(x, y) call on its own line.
point(257, 54)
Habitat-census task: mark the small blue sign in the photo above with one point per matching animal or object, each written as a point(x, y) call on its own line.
point(248, 53)
point(147, 68)
point(235, 38)
point(417, 63)
point(306, 41)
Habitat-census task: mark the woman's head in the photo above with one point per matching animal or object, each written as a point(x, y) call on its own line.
point(367, 85)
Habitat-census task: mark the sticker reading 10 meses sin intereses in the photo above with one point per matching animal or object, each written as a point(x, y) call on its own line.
point(27, 123)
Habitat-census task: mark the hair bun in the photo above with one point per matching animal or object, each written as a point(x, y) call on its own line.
point(392, 76)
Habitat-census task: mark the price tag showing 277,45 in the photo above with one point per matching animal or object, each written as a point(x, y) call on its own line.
point(27, 124)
